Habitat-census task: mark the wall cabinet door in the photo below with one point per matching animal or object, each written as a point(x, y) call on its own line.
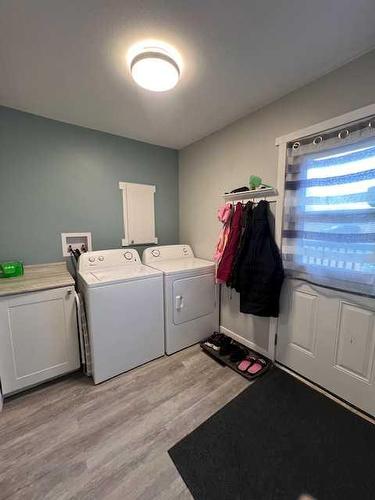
point(38, 338)
point(139, 213)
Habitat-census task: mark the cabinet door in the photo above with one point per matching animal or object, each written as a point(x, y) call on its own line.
point(38, 338)
point(139, 213)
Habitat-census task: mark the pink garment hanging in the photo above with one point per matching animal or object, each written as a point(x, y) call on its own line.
point(224, 215)
point(224, 269)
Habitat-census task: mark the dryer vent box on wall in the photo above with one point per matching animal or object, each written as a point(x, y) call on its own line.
point(139, 213)
point(75, 240)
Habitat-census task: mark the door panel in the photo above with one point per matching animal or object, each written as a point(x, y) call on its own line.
point(45, 346)
point(329, 338)
point(303, 332)
point(355, 340)
point(38, 338)
point(193, 297)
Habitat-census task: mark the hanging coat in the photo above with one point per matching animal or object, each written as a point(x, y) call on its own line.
point(261, 274)
point(224, 269)
point(246, 226)
point(224, 214)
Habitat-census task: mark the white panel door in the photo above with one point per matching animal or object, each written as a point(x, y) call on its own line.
point(38, 338)
point(139, 213)
point(329, 338)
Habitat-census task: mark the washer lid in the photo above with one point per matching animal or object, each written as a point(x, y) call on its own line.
point(111, 275)
point(175, 266)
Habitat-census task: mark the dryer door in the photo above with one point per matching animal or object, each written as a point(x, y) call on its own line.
point(193, 297)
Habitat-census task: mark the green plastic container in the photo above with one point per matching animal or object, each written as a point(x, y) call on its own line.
point(11, 269)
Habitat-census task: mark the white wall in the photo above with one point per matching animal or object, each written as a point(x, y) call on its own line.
point(225, 160)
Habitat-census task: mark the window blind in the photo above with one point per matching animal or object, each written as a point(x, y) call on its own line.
point(329, 212)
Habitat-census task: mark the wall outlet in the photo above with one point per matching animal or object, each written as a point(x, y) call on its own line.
point(75, 240)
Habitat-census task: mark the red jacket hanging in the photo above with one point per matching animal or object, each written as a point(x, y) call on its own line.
point(224, 269)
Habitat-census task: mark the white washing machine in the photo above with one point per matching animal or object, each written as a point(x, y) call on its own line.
point(125, 310)
point(190, 295)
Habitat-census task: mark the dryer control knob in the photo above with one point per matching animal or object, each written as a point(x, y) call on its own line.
point(128, 255)
point(91, 259)
point(155, 253)
point(101, 258)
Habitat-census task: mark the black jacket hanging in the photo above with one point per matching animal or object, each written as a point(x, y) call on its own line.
point(261, 272)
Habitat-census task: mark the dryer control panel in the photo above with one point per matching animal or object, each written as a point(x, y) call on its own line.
point(166, 252)
point(101, 259)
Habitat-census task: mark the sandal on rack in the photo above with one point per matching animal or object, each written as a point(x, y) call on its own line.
point(246, 363)
point(257, 367)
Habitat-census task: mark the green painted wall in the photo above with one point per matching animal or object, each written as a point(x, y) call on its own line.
point(56, 177)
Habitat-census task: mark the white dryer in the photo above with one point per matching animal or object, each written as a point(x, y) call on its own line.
point(125, 310)
point(190, 295)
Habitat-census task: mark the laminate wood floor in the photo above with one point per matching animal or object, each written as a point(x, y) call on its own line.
point(73, 440)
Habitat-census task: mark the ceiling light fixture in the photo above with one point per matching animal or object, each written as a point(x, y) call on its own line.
point(154, 68)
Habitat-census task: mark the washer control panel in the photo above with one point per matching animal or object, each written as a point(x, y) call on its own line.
point(108, 258)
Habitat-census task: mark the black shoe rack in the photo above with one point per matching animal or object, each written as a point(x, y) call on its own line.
point(225, 360)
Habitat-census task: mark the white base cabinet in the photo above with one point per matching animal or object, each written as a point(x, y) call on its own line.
point(38, 338)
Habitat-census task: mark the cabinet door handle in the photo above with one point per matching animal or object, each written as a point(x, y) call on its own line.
point(69, 292)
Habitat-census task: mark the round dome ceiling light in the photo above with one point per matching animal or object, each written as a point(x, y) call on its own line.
point(155, 69)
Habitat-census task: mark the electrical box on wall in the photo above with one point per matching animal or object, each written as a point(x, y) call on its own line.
point(82, 241)
point(139, 213)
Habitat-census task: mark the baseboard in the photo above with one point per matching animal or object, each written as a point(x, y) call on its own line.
point(245, 342)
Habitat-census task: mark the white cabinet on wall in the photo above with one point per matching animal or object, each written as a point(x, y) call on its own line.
point(139, 213)
point(38, 337)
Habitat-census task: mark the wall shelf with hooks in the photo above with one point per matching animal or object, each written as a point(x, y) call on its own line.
point(270, 194)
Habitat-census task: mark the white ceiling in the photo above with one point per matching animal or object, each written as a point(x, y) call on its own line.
point(65, 59)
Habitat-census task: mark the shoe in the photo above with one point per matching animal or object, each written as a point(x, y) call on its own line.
point(226, 346)
point(212, 341)
point(238, 353)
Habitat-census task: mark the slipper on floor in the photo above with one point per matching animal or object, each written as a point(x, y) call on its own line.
point(246, 363)
point(258, 367)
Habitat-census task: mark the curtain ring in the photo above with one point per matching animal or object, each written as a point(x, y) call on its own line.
point(296, 145)
point(318, 140)
point(343, 134)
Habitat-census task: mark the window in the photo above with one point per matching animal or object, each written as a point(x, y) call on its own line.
point(329, 214)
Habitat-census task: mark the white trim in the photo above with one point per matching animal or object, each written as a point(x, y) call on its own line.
point(123, 185)
point(352, 116)
point(125, 243)
point(282, 152)
point(246, 342)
